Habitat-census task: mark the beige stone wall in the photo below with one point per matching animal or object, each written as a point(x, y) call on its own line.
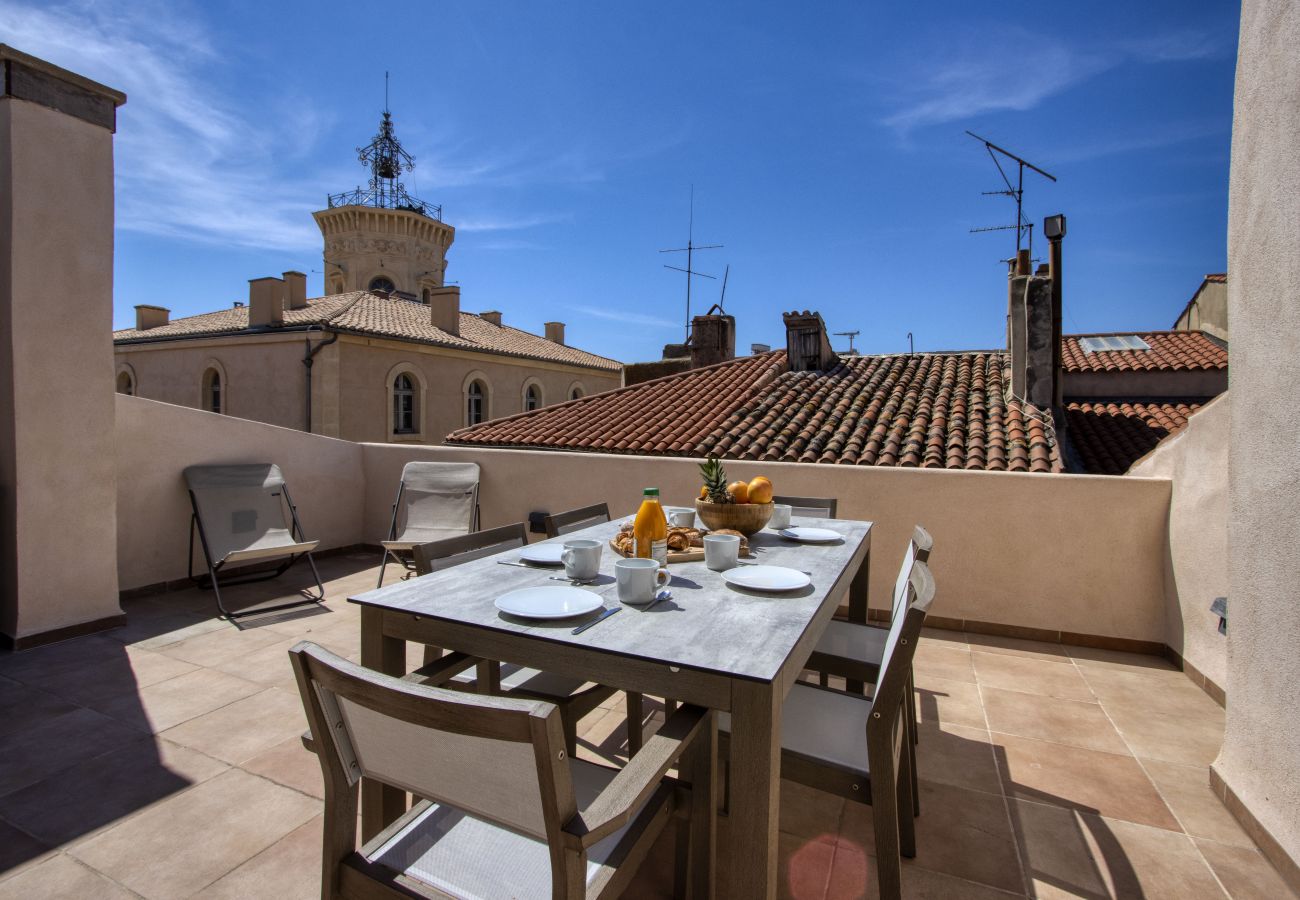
point(1196, 462)
point(1074, 553)
point(57, 480)
point(1208, 312)
point(156, 441)
point(1260, 761)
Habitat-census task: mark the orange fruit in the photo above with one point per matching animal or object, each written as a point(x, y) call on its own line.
point(739, 491)
point(704, 492)
point(760, 490)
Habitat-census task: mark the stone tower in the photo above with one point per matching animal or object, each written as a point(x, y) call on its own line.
point(380, 238)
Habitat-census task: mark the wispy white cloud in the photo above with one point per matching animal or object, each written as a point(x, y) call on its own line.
point(1016, 70)
point(510, 223)
point(625, 318)
point(1154, 138)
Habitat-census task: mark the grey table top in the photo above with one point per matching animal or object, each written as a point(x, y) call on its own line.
point(708, 625)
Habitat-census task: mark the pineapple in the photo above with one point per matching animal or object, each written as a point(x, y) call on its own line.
point(715, 481)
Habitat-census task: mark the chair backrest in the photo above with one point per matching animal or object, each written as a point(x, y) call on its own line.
point(437, 495)
point(576, 519)
point(896, 659)
point(919, 546)
point(240, 507)
point(438, 555)
point(813, 507)
point(496, 758)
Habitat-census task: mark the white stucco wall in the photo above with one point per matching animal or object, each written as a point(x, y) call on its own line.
point(1196, 462)
point(1260, 760)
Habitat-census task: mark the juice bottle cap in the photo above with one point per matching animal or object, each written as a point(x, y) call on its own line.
point(651, 492)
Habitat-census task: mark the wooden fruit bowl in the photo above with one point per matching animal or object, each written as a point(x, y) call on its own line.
point(747, 518)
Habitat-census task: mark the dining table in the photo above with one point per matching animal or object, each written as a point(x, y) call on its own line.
point(731, 649)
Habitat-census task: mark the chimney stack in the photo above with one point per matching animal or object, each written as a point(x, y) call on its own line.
point(713, 339)
point(491, 316)
point(1033, 375)
point(555, 332)
point(444, 308)
point(265, 302)
point(147, 317)
point(756, 349)
point(295, 290)
point(806, 343)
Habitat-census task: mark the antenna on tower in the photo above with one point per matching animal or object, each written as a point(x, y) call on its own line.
point(850, 335)
point(689, 250)
point(723, 299)
point(1022, 225)
point(385, 93)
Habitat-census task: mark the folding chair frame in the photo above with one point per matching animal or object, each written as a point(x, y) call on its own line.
point(409, 563)
point(210, 580)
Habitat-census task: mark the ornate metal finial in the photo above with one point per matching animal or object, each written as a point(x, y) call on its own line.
point(386, 159)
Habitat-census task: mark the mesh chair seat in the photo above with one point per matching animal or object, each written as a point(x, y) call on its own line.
point(824, 725)
point(849, 640)
point(464, 856)
point(413, 535)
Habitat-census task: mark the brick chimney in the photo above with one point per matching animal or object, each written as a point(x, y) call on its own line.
point(713, 339)
point(295, 290)
point(1030, 330)
point(265, 302)
point(491, 316)
point(147, 317)
point(444, 308)
point(806, 342)
point(555, 332)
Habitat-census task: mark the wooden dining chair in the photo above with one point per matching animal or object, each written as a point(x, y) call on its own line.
point(576, 519)
point(853, 650)
point(857, 747)
point(812, 507)
point(502, 808)
point(492, 677)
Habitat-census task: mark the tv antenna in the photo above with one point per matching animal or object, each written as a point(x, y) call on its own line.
point(723, 299)
point(1023, 227)
point(689, 250)
point(850, 335)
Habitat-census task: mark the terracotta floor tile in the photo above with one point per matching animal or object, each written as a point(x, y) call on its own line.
point(1074, 722)
point(61, 876)
point(804, 868)
point(809, 814)
point(854, 877)
point(18, 849)
point(1190, 738)
point(1244, 872)
point(154, 634)
point(290, 869)
point(23, 707)
point(1105, 783)
point(267, 665)
point(1031, 676)
point(956, 640)
point(946, 702)
point(957, 755)
point(244, 728)
point(57, 744)
point(959, 832)
point(1187, 792)
point(202, 834)
point(1095, 657)
point(130, 671)
point(942, 661)
point(169, 703)
point(216, 647)
point(76, 802)
point(1009, 646)
point(1147, 687)
point(291, 764)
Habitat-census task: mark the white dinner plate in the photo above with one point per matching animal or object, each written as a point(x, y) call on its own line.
point(543, 554)
point(766, 578)
point(551, 602)
point(805, 535)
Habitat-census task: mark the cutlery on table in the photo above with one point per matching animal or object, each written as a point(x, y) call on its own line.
point(600, 618)
point(522, 565)
point(662, 595)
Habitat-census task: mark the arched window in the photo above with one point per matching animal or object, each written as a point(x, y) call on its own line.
point(214, 396)
point(424, 296)
point(475, 403)
point(532, 398)
point(405, 417)
point(125, 383)
point(381, 285)
point(575, 393)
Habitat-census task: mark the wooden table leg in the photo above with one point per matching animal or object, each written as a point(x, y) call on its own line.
point(750, 856)
point(380, 804)
point(858, 608)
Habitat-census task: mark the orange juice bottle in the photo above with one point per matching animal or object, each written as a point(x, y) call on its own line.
point(650, 529)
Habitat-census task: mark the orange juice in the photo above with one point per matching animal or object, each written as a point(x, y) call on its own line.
point(650, 529)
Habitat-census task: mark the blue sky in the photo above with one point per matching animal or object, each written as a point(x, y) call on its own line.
point(825, 143)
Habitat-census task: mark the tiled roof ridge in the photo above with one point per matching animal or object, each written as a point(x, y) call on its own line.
point(542, 337)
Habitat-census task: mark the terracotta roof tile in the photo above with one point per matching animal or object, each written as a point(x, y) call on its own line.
point(1171, 350)
point(360, 312)
point(1217, 277)
point(1110, 435)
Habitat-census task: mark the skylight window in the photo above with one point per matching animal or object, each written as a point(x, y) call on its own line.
point(1113, 342)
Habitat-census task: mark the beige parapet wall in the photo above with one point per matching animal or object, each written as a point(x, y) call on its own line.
point(1196, 462)
point(1081, 554)
point(156, 441)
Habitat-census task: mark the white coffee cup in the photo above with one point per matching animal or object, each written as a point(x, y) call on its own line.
point(780, 516)
point(721, 551)
point(639, 579)
point(581, 559)
point(681, 518)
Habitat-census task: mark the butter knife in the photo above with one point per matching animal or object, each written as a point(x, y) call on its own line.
point(600, 618)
